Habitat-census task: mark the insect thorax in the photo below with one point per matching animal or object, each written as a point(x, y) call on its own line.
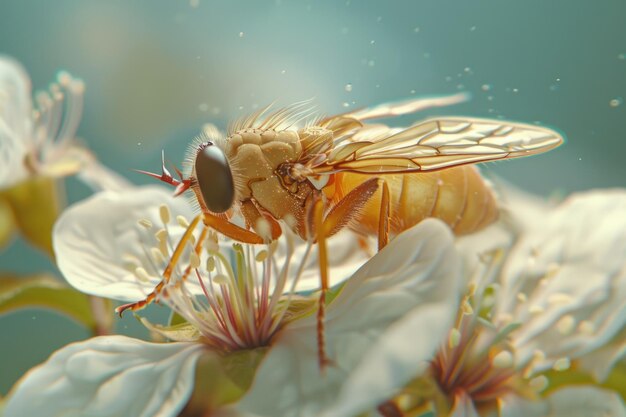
point(262, 162)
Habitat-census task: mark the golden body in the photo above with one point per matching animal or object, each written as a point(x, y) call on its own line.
point(459, 196)
point(363, 172)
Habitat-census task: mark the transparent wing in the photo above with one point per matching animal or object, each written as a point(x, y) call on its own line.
point(435, 144)
point(399, 108)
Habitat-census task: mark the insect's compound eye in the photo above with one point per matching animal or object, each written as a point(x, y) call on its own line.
point(214, 177)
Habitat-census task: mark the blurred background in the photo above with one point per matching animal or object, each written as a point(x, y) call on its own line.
point(155, 71)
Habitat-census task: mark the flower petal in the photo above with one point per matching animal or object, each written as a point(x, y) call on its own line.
point(15, 121)
point(99, 244)
point(572, 271)
point(601, 361)
point(381, 331)
point(567, 402)
point(109, 375)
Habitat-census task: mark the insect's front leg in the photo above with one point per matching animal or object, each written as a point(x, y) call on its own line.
point(167, 273)
point(231, 230)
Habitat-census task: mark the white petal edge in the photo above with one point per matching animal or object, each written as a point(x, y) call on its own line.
point(580, 401)
point(96, 240)
point(15, 121)
point(113, 376)
point(373, 325)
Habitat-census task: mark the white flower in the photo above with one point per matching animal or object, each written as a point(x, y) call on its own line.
point(40, 139)
point(407, 292)
point(547, 299)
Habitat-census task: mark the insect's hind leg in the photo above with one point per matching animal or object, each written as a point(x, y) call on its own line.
point(321, 227)
point(383, 219)
point(167, 273)
point(320, 232)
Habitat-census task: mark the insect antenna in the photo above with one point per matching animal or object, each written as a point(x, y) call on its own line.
point(181, 185)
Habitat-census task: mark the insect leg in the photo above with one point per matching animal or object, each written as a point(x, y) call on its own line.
point(339, 215)
point(383, 220)
point(318, 218)
point(167, 273)
point(350, 205)
point(231, 230)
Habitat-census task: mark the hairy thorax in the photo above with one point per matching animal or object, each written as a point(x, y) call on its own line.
point(263, 162)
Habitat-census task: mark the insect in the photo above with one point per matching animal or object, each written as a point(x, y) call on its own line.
point(334, 172)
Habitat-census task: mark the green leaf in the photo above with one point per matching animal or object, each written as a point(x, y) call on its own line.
point(35, 205)
point(44, 291)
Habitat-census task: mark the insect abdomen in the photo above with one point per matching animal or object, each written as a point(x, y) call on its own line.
point(459, 196)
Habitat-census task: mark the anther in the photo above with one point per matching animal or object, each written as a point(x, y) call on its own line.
point(586, 327)
point(145, 223)
point(560, 298)
point(261, 256)
point(454, 338)
point(182, 221)
point(539, 383)
point(566, 325)
point(210, 264)
point(164, 213)
point(503, 359)
point(142, 275)
point(561, 364)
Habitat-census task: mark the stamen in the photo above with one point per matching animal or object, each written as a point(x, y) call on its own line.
point(586, 327)
point(454, 338)
point(164, 213)
point(503, 359)
point(182, 221)
point(221, 279)
point(539, 383)
point(560, 298)
point(142, 275)
point(466, 307)
point(157, 256)
point(561, 364)
point(566, 325)
point(210, 264)
point(261, 256)
point(145, 223)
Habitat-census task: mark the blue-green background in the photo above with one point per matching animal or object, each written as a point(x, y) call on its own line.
point(155, 71)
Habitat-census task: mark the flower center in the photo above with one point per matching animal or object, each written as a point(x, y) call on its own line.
point(475, 363)
point(237, 296)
